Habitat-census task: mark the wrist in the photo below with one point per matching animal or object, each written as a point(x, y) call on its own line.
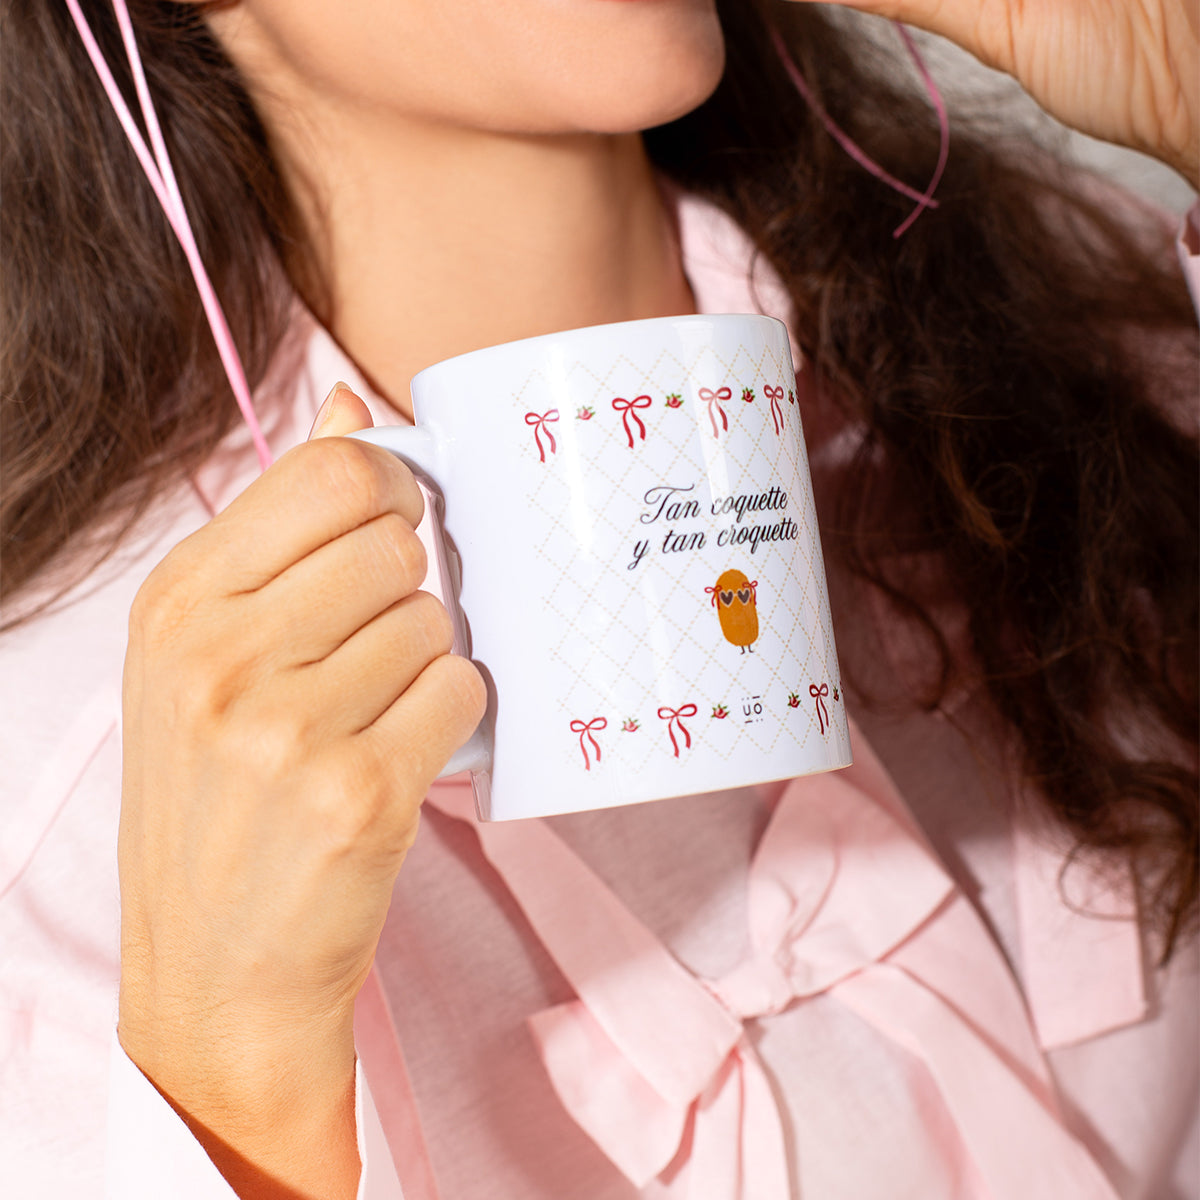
point(1178, 130)
point(1187, 164)
point(1177, 145)
point(272, 1103)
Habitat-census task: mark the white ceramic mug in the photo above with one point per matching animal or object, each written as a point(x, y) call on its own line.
point(631, 512)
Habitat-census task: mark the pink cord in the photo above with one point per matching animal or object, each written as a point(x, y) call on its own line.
point(161, 175)
point(939, 106)
point(924, 199)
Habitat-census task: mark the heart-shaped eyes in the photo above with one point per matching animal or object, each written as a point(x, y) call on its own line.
point(726, 598)
point(744, 595)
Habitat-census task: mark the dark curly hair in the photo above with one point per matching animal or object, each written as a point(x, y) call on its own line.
point(1015, 421)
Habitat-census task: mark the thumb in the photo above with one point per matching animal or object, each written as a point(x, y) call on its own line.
point(342, 412)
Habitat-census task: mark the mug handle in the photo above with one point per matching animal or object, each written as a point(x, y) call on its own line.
point(417, 448)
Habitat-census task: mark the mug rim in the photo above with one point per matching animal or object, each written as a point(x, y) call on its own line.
point(587, 331)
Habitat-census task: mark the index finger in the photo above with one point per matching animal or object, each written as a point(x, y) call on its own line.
point(314, 494)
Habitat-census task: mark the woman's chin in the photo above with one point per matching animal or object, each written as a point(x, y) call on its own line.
point(628, 96)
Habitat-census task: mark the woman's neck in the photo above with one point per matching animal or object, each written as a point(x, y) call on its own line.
point(434, 241)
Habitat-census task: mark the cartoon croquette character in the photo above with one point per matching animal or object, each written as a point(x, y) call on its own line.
point(736, 602)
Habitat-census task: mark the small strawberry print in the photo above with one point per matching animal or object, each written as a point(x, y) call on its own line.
point(585, 414)
point(720, 712)
point(630, 726)
point(748, 395)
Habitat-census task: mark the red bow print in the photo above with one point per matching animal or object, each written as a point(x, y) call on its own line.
point(817, 693)
point(626, 409)
point(775, 394)
point(713, 400)
point(585, 731)
point(672, 717)
point(539, 423)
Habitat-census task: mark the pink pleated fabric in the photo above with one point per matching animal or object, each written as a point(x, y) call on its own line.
point(845, 899)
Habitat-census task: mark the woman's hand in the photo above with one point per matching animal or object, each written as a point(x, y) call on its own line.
point(288, 699)
point(1127, 71)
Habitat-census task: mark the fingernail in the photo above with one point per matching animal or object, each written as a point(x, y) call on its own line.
point(326, 406)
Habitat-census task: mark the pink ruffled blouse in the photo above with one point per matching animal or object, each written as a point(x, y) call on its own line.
point(868, 984)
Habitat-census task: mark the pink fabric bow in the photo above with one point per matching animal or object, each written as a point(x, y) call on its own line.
point(844, 899)
point(634, 1074)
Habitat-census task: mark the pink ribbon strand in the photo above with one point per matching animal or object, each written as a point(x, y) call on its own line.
point(923, 199)
point(161, 174)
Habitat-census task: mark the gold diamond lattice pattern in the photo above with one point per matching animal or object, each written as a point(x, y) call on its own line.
point(632, 640)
